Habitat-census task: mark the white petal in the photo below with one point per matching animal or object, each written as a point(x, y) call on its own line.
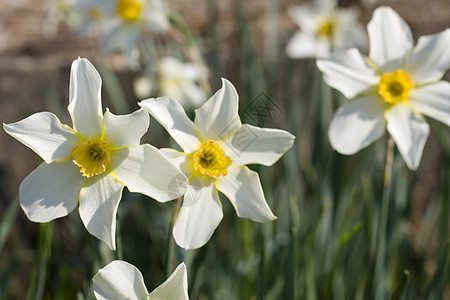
point(305, 16)
point(218, 117)
point(409, 131)
point(326, 5)
point(430, 58)
point(125, 130)
point(193, 93)
point(119, 280)
point(433, 100)
point(357, 124)
point(173, 118)
point(51, 191)
point(243, 188)
point(254, 145)
point(180, 159)
point(143, 86)
point(199, 216)
point(353, 36)
point(85, 105)
point(145, 170)
point(155, 16)
point(44, 133)
point(303, 45)
point(389, 35)
point(123, 37)
point(175, 287)
point(348, 72)
point(99, 200)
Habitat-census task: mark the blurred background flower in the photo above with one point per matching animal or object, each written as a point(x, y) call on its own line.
point(324, 27)
point(174, 79)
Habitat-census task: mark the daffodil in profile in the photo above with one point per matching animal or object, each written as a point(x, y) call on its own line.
point(324, 27)
point(120, 280)
point(216, 149)
point(391, 89)
point(91, 162)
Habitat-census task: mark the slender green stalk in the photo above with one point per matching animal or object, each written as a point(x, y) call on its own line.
point(380, 258)
point(119, 248)
point(43, 252)
point(7, 221)
point(173, 253)
point(401, 290)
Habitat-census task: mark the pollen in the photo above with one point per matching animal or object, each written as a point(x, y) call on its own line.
point(129, 10)
point(92, 157)
point(211, 160)
point(326, 28)
point(395, 87)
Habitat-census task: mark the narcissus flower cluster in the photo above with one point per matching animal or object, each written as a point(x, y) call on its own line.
point(90, 163)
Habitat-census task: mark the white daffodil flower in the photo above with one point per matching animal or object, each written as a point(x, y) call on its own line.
point(324, 27)
point(125, 19)
point(94, 15)
point(176, 80)
point(216, 148)
point(391, 88)
point(120, 280)
point(91, 163)
point(179, 81)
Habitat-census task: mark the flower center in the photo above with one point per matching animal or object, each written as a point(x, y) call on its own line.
point(395, 87)
point(170, 84)
point(92, 157)
point(211, 160)
point(326, 28)
point(94, 13)
point(129, 10)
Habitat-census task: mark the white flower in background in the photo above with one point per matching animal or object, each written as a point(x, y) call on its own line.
point(125, 20)
point(391, 88)
point(94, 15)
point(85, 17)
point(91, 163)
point(176, 80)
point(216, 148)
point(323, 28)
point(144, 86)
point(179, 81)
point(60, 12)
point(120, 280)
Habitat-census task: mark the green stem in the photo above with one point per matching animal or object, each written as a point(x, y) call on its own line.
point(380, 258)
point(43, 252)
point(173, 253)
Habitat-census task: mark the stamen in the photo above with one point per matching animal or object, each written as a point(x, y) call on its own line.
point(326, 28)
point(211, 160)
point(129, 10)
point(395, 87)
point(92, 157)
